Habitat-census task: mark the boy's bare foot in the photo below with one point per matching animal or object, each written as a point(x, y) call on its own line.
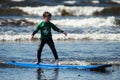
point(37, 62)
point(57, 62)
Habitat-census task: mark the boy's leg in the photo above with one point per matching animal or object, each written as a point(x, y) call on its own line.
point(52, 46)
point(39, 51)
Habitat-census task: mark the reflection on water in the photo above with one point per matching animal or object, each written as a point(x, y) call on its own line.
point(41, 74)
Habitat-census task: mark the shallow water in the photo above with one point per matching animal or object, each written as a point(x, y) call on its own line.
point(79, 50)
point(59, 74)
point(69, 51)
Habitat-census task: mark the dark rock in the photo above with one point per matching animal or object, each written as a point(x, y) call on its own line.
point(20, 22)
point(66, 13)
point(12, 12)
point(108, 11)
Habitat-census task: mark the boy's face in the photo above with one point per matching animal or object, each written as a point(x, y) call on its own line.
point(47, 18)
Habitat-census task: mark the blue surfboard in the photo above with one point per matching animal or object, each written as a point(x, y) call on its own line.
point(32, 65)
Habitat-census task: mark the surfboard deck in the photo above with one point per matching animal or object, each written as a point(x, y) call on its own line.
point(32, 65)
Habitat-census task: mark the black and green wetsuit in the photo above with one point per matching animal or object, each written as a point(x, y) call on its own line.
point(45, 30)
point(46, 37)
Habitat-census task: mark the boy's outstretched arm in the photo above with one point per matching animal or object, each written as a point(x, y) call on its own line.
point(34, 32)
point(58, 30)
point(32, 36)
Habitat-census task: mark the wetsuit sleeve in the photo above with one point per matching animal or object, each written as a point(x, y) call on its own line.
point(56, 28)
point(36, 29)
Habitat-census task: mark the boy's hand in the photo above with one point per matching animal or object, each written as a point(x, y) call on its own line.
point(31, 38)
point(65, 33)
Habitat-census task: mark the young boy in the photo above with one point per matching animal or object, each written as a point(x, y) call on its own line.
point(46, 36)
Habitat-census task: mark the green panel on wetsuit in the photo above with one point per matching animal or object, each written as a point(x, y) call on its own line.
point(45, 30)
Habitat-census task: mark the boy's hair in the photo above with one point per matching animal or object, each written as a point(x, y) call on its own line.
point(46, 13)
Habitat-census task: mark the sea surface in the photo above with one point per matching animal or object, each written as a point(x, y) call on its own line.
point(93, 29)
point(70, 52)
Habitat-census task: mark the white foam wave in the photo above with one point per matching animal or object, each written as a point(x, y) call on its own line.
point(26, 37)
point(94, 36)
point(75, 63)
point(86, 22)
point(117, 1)
point(20, 37)
point(57, 10)
point(89, 63)
point(69, 2)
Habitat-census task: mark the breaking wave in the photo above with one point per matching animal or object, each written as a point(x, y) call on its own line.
point(85, 22)
point(67, 22)
point(71, 11)
point(61, 10)
point(91, 28)
point(26, 37)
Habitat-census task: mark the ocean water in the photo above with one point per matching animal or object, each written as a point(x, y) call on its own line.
point(93, 29)
point(70, 52)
